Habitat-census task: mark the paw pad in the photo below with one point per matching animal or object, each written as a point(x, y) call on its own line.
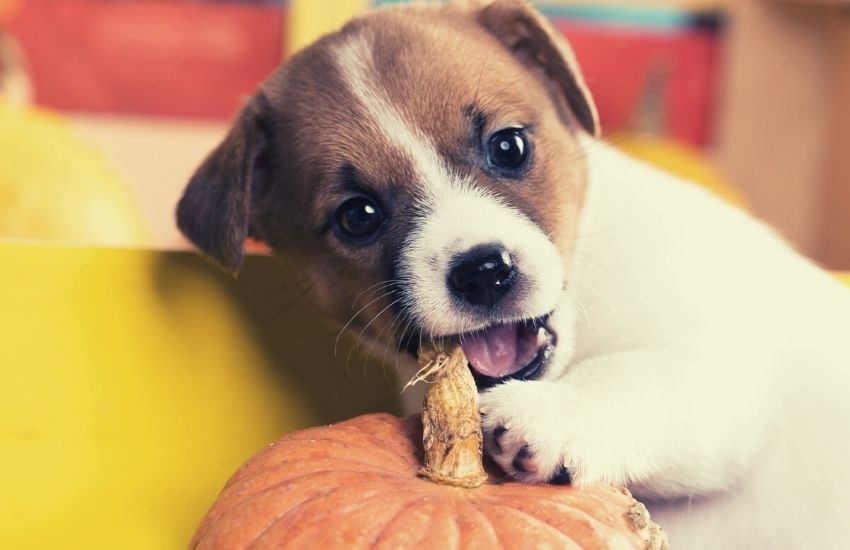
point(524, 462)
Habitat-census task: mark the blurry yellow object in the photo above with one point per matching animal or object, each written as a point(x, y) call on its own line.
point(310, 19)
point(132, 387)
point(55, 186)
point(844, 277)
point(678, 159)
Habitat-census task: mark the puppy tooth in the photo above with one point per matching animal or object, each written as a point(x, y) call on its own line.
point(542, 336)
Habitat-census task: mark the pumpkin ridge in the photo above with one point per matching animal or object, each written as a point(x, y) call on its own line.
point(416, 502)
point(457, 527)
point(566, 505)
point(317, 495)
point(471, 509)
point(377, 539)
point(591, 502)
point(568, 541)
point(409, 504)
point(293, 512)
point(437, 524)
point(244, 499)
point(575, 498)
point(289, 512)
point(478, 505)
point(200, 537)
point(596, 529)
point(585, 508)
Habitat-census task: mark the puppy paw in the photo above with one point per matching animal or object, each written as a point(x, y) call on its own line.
point(536, 432)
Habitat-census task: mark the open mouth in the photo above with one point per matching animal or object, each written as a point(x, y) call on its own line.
point(512, 351)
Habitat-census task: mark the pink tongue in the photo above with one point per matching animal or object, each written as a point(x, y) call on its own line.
point(493, 352)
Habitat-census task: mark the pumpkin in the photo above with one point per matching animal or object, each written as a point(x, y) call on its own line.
point(361, 484)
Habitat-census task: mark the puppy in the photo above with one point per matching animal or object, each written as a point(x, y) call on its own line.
point(436, 165)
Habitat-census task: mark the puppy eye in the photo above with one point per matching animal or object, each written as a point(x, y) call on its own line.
point(508, 149)
point(358, 220)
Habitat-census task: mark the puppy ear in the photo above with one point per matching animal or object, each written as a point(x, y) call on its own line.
point(214, 212)
point(531, 38)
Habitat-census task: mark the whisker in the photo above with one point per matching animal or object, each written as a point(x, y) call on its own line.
point(369, 354)
point(388, 306)
point(585, 257)
point(581, 307)
point(393, 329)
point(390, 330)
point(382, 285)
point(400, 343)
point(363, 331)
point(346, 325)
point(602, 230)
point(604, 299)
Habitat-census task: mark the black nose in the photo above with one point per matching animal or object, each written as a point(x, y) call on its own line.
point(483, 275)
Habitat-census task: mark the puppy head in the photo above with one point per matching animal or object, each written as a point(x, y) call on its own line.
point(421, 164)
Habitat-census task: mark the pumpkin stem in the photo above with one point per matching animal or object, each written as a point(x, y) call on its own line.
point(451, 421)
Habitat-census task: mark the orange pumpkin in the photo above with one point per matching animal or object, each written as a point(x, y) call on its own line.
point(359, 484)
point(355, 485)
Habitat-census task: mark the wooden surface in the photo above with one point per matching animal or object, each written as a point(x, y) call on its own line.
point(783, 121)
point(835, 232)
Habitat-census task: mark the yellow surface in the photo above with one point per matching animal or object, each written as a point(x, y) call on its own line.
point(310, 19)
point(844, 277)
point(54, 185)
point(129, 394)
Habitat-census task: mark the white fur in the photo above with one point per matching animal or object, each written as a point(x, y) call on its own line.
point(711, 370)
point(700, 360)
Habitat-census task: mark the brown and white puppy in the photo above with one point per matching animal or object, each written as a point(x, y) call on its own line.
point(380, 111)
point(436, 163)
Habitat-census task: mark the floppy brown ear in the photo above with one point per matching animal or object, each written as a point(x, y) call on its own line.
point(531, 38)
point(214, 212)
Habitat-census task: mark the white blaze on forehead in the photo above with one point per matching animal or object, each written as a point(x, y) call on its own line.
point(358, 68)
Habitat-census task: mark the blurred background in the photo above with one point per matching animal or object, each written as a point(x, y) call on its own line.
point(761, 89)
point(137, 378)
